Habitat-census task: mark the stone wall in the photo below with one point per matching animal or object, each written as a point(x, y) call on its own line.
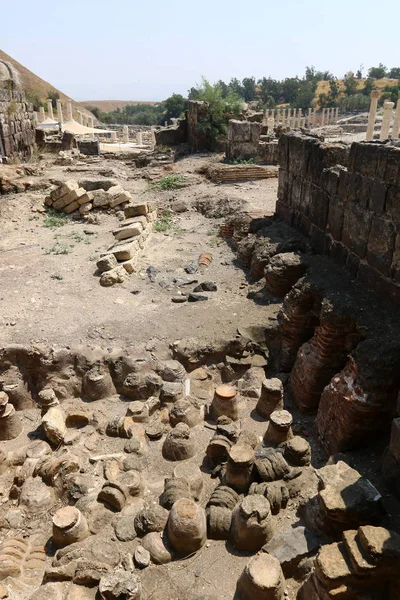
point(17, 125)
point(197, 114)
point(172, 136)
point(348, 201)
point(245, 141)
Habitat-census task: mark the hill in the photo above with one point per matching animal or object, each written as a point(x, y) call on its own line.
point(111, 105)
point(379, 84)
point(37, 86)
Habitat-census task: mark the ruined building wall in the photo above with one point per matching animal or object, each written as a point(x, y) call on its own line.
point(348, 202)
point(17, 124)
point(245, 140)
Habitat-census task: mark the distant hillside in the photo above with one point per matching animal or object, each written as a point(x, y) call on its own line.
point(111, 105)
point(34, 84)
point(379, 84)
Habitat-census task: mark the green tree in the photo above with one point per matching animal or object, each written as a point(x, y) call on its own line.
point(174, 106)
point(236, 87)
point(290, 88)
point(34, 99)
point(350, 84)
point(214, 124)
point(378, 72)
point(323, 100)
point(224, 88)
point(270, 91)
point(368, 86)
point(249, 89)
point(359, 72)
point(305, 94)
point(394, 73)
point(333, 94)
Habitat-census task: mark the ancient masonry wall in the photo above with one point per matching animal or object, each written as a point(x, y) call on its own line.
point(348, 202)
point(17, 125)
point(246, 140)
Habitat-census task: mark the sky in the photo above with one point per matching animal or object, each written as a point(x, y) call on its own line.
point(129, 50)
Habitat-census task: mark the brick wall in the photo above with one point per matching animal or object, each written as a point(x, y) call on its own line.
point(17, 127)
point(348, 201)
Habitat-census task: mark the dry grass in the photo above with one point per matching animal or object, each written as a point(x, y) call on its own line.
point(110, 105)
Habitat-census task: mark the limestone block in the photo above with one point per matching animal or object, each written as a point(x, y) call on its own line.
point(106, 263)
point(100, 198)
point(65, 188)
point(134, 210)
point(129, 231)
point(54, 425)
point(125, 251)
point(115, 275)
point(86, 198)
point(71, 207)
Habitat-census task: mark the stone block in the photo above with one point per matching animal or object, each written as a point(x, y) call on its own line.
point(284, 212)
point(121, 198)
point(72, 196)
point(84, 209)
point(319, 204)
point(332, 565)
point(65, 188)
point(71, 207)
point(364, 159)
point(392, 206)
point(343, 182)
point(382, 154)
point(86, 198)
point(395, 266)
point(134, 210)
point(377, 197)
point(356, 228)
point(106, 263)
point(100, 198)
point(381, 245)
point(238, 131)
point(125, 251)
point(352, 263)
point(392, 172)
point(116, 275)
point(290, 546)
point(128, 232)
point(335, 217)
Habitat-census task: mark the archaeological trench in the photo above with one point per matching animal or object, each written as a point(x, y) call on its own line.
point(278, 454)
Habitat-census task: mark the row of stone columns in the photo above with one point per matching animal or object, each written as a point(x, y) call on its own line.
point(293, 117)
point(83, 119)
point(386, 120)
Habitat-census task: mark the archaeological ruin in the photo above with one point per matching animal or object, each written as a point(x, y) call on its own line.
point(200, 355)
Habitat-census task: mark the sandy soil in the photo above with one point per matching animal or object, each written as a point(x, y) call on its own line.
point(47, 297)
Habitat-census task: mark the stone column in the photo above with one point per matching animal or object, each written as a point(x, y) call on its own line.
point(90, 122)
point(387, 116)
point(322, 118)
point(59, 112)
point(396, 124)
point(371, 117)
point(139, 138)
point(337, 114)
point(309, 117)
point(113, 136)
point(314, 118)
point(125, 134)
point(35, 117)
point(69, 111)
point(270, 125)
point(42, 114)
point(80, 117)
point(50, 110)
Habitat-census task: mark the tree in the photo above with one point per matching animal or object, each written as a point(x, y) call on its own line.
point(333, 94)
point(193, 93)
point(305, 94)
point(224, 88)
point(368, 87)
point(359, 73)
point(290, 88)
point(53, 96)
point(350, 84)
point(378, 72)
point(236, 87)
point(322, 100)
point(394, 73)
point(270, 91)
point(174, 106)
point(249, 89)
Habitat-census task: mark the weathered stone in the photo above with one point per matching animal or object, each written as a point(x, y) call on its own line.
point(276, 493)
point(192, 474)
point(297, 451)
point(175, 488)
point(120, 584)
point(113, 276)
point(290, 546)
point(186, 410)
point(279, 428)
point(106, 263)
point(239, 469)
point(283, 271)
point(133, 210)
point(150, 519)
point(142, 557)
point(69, 526)
point(128, 231)
point(54, 425)
point(187, 527)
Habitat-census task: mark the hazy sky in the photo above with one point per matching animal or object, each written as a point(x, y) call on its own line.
point(130, 50)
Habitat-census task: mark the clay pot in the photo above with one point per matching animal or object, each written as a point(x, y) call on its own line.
point(187, 527)
point(178, 445)
point(252, 524)
point(271, 398)
point(205, 259)
point(239, 469)
point(262, 579)
point(69, 526)
point(225, 403)
point(279, 428)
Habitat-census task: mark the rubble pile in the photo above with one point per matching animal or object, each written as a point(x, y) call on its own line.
point(130, 237)
point(73, 199)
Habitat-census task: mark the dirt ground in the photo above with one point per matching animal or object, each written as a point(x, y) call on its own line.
point(52, 297)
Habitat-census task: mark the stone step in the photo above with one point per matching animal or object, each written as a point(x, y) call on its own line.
point(360, 560)
point(333, 567)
